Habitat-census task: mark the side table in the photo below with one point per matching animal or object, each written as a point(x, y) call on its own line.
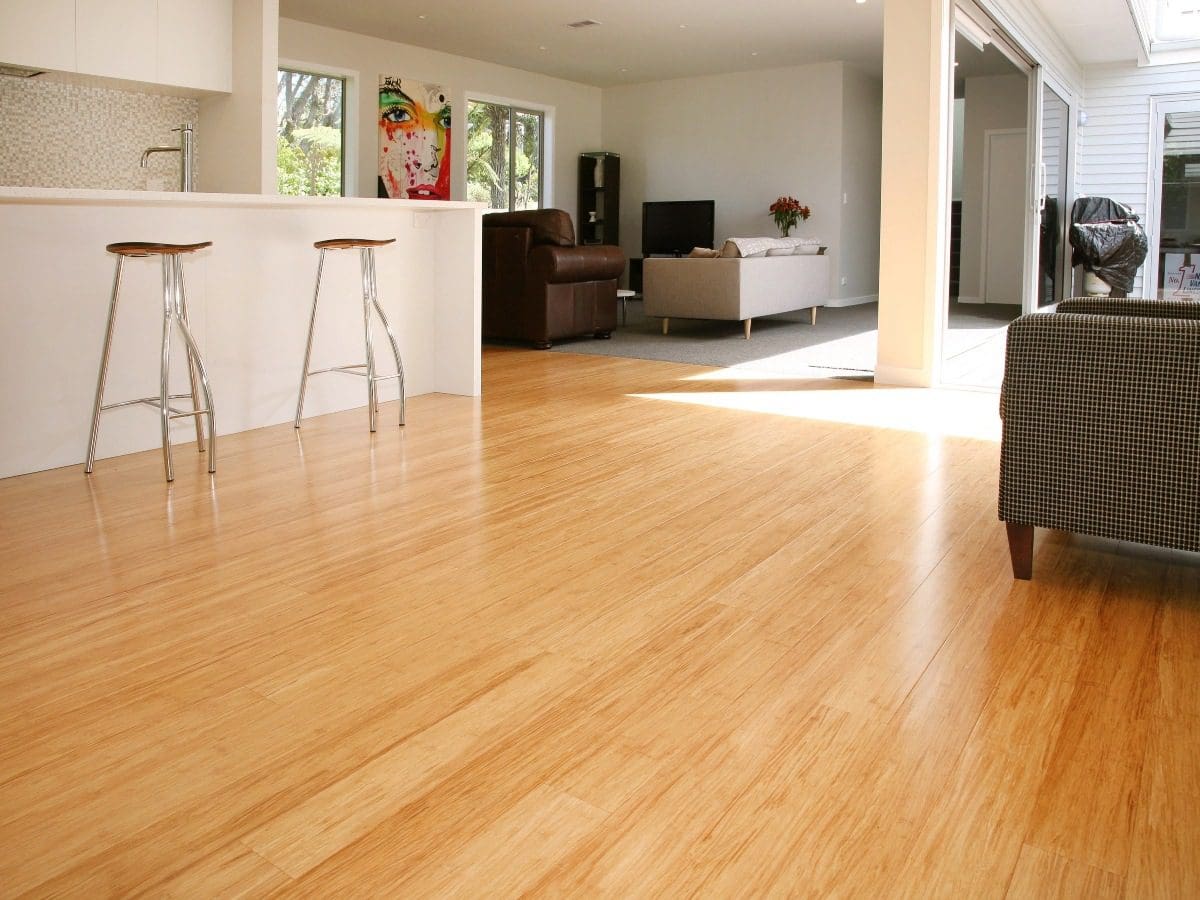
point(624, 296)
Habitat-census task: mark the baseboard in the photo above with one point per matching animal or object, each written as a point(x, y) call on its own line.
point(964, 299)
point(902, 377)
point(853, 301)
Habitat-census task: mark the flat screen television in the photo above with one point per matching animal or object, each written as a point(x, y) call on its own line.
point(674, 227)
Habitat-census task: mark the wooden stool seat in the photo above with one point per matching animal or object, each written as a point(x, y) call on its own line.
point(351, 243)
point(150, 248)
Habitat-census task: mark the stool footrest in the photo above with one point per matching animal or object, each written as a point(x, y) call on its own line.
point(352, 370)
point(183, 414)
point(152, 401)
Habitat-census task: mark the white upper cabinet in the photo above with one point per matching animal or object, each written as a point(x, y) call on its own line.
point(39, 33)
point(195, 43)
point(116, 38)
point(182, 43)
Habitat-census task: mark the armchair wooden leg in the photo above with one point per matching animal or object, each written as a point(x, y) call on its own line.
point(746, 328)
point(812, 315)
point(1020, 548)
point(666, 325)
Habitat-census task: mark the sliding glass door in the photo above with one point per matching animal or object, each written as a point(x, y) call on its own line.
point(1173, 268)
point(1053, 216)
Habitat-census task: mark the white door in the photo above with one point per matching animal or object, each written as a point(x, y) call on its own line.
point(1004, 216)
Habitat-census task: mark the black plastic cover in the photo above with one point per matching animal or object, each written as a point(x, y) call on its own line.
point(1090, 210)
point(1108, 240)
point(1113, 252)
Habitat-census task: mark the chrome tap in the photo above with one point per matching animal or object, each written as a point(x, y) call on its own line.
point(185, 150)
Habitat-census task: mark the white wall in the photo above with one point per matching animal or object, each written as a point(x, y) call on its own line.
point(991, 102)
point(746, 138)
point(862, 152)
point(960, 131)
point(575, 108)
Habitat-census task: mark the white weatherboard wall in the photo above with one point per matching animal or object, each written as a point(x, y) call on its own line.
point(992, 103)
point(1114, 146)
point(575, 107)
point(744, 139)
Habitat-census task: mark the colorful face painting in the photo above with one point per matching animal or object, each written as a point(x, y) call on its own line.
point(414, 140)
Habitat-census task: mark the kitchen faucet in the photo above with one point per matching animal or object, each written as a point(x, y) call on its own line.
point(185, 151)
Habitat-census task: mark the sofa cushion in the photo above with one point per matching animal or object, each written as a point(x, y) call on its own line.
point(549, 226)
point(704, 253)
point(752, 247)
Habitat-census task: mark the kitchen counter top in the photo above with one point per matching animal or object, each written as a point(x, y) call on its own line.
point(91, 197)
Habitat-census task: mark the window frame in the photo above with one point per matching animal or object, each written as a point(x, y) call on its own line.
point(544, 115)
point(350, 99)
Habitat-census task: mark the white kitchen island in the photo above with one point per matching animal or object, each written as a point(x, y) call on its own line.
point(249, 297)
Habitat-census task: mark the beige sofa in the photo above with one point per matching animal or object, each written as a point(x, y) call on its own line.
point(734, 288)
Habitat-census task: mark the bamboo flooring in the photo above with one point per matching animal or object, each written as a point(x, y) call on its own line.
point(622, 628)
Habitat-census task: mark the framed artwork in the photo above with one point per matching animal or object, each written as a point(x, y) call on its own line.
point(414, 139)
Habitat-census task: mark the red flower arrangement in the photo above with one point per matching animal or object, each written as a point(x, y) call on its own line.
point(787, 211)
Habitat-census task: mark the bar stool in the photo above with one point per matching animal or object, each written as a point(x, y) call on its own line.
point(174, 312)
point(370, 297)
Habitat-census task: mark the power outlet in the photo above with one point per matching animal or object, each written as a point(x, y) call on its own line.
point(844, 281)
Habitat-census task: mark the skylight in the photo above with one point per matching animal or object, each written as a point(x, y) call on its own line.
point(1177, 20)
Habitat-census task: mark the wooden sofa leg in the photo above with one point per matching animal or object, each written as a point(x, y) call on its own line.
point(746, 328)
point(666, 324)
point(1020, 548)
point(812, 315)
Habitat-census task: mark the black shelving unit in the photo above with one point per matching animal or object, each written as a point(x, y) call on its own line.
point(599, 198)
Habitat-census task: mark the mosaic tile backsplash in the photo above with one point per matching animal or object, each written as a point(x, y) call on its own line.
point(54, 134)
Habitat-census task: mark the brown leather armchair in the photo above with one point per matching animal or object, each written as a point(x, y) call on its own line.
point(539, 286)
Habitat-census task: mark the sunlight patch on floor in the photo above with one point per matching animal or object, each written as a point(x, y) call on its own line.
point(947, 413)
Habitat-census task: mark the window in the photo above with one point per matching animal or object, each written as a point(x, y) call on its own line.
point(312, 134)
point(504, 155)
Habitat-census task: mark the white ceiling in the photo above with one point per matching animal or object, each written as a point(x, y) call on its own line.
point(638, 40)
point(641, 40)
point(1095, 31)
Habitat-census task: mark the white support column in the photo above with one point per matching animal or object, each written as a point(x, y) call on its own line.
point(235, 138)
point(914, 226)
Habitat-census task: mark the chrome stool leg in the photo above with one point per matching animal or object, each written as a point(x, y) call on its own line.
point(196, 361)
point(182, 312)
point(164, 407)
point(312, 322)
point(102, 377)
point(388, 330)
point(372, 394)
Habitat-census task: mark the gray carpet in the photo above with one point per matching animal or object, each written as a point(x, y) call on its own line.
point(842, 343)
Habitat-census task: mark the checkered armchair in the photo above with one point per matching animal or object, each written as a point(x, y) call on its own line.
point(1101, 409)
